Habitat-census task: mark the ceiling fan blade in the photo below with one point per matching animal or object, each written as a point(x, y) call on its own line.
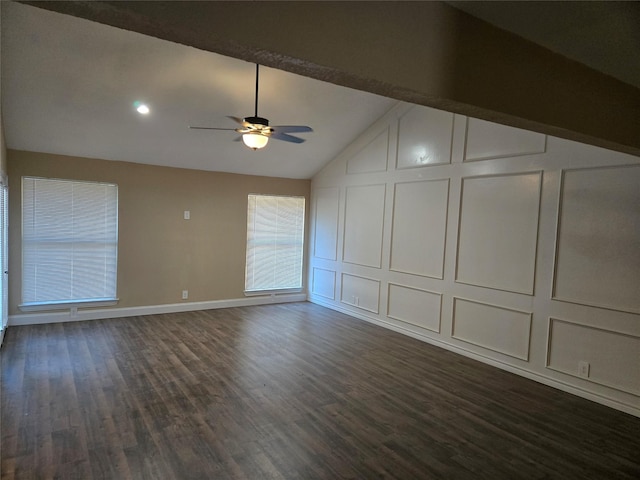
point(241, 121)
point(251, 126)
point(211, 128)
point(291, 128)
point(287, 138)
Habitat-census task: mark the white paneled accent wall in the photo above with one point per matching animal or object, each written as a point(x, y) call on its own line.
point(415, 306)
point(372, 157)
point(495, 328)
point(424, 138)
point(498, 233)
point(504, 245)
point(325, 242)
point(364, 218)
point(487, 140)
point(324, 283)
point(599, 238)
point(360, 292)
point(419, 227)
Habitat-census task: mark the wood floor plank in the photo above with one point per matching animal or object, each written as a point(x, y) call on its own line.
point(291, 391)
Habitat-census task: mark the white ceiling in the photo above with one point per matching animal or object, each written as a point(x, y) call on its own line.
point(68, 87)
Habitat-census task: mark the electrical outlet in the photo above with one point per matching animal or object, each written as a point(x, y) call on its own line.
point(185, 294)
point(187, 214)
point(583, 369)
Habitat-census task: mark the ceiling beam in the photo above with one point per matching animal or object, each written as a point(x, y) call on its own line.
point(427, 53)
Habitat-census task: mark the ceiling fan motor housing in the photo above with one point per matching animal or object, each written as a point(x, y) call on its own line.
point(256, 131)
point(257, 121)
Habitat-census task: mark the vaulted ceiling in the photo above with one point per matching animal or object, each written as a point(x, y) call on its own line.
point(68, 84)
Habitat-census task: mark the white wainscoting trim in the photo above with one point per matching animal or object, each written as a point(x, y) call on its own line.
point(549, 364)
point(347, 257)
point(369, 151)
point(333, 253)
point(413, 322)
point(98, 314)
point(374, 307)
point(527, 290)
point(527, 315)
point(536, 377)
point(588, 300)
point(333, 286)
point(536, 142)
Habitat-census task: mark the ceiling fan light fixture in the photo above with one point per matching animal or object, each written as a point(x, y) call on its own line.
point(256, 131)
point(255, 140)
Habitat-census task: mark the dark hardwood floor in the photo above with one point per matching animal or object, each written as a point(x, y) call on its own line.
point(291, 391)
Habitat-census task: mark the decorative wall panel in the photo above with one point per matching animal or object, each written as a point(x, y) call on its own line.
point(487, 140)
point(419, 227)
point(364, 219)
point(498, 232)
point(598, 257)
point(613, 358)
point(495, 328)
point(326, 223)
point(415, 306)
point(373, 157)
point(360, 292)
point(324, 283)
point(424, 137)
point(475, 242)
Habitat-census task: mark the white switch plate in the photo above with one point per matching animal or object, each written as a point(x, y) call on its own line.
point(185, 294)
point(583, 369)
point(187, 214)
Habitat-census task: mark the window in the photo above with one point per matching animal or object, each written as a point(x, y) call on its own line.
point(4, 265)
point(69, 241)
point(275, 241)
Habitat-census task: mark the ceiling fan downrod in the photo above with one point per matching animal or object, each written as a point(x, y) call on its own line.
point(256, 120)
point(256, 131)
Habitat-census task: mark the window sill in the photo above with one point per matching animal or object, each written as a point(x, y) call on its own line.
point(257, 293)
point(41, 306)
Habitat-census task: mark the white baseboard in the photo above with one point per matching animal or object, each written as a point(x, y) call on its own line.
point(101, 313)
point(536, 377)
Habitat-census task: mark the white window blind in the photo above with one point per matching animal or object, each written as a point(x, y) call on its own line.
point(4, 261)
point(69, 241)
point(275, 243)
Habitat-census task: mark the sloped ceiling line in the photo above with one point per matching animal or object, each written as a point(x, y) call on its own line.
point(422, 52)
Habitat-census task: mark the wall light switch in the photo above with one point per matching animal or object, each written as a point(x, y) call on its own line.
point(583, 369)
point(187, 214)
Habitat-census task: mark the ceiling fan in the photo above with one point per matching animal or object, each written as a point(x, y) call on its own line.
point(256, 131)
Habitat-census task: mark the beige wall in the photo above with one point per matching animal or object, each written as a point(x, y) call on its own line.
point(159, 253)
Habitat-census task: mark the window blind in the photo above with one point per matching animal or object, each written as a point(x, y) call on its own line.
point(4, 261)
point(275, 243)
point(69, 241)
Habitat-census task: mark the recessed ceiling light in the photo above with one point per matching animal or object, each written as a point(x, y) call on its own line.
point(141, 108)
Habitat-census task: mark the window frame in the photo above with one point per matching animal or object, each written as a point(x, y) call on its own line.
point(69, 304)
point(284, 290)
